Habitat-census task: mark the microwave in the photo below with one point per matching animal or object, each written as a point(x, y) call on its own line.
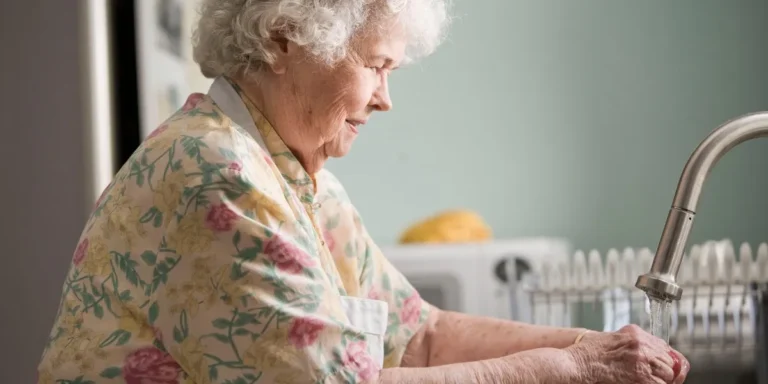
point(477, 279)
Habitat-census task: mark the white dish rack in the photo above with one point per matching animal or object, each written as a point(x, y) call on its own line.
point(719, 315)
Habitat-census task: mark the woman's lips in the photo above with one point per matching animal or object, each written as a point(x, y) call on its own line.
point(352, 127)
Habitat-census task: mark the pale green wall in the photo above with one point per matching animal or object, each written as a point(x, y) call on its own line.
point(572, 118)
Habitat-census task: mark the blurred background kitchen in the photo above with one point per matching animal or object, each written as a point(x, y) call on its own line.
point(567, 120)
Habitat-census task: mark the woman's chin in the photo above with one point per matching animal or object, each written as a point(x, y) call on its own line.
point(340, 151)
point(341, 146)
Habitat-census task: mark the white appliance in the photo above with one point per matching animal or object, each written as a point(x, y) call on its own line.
point(473, 278)
point(137, 70)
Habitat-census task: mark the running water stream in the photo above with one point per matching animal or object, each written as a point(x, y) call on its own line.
point(660, 318)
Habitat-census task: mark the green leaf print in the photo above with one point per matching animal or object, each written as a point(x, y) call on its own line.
point(287, 154)
point(149, 257)
point(98, 311)
point(231, 195)
point(192, 147)
point(150, 173)
point(88, 299)
point(178, 336)
point(222, 323)
point(280, 295)
point(125, 296)
point(333, 222)
point(249, 254)
point(128, 267)
point(222, 338)
point(119, 337)
point(158, 220)
point(350, 249)
point(236, 272)
point(154, 312)
point(95, 290)
point(385, 284)
point(311, 306)
point(181, 332)
point(111, 372)
point(211, 168)
point(245, 318)
point(149, 215)
point(264, 312)
point(136, 171)
point(257, 243)
point(394, 323)
point(236, 239)
point(183, 323)
point(123, 339)
point(227, 153)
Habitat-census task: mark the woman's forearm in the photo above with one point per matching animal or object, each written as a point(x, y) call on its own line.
point(457, 337)
point(540, 366)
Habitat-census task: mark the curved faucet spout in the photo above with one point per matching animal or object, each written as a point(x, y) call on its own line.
point(661, 281)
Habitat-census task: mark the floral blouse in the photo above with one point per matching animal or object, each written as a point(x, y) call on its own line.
point(210, 260)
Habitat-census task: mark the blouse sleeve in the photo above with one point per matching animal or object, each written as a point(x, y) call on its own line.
point(407, 311)
point(245, 297)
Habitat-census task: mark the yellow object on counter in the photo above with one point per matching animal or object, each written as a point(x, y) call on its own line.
point(456, 226)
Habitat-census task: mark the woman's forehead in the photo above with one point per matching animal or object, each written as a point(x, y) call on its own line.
point(387, 45)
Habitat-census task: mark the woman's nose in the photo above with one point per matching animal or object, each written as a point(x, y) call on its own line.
point(381, 100)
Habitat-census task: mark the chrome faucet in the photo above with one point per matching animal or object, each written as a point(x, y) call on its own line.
point(660, 282)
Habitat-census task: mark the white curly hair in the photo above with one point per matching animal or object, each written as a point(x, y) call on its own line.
point(231, 35)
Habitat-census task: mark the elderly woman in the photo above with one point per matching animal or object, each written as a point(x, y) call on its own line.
point(223, 252)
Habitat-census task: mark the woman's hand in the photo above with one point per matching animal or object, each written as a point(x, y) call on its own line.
point(630, 355)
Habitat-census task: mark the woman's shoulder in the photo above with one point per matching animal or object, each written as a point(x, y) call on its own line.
point(199, 120)
point(199, 135)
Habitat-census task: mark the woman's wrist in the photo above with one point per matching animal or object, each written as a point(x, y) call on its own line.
point(581, 357)
point(580, 336)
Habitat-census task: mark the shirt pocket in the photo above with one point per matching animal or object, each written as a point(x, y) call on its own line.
point(370, 317)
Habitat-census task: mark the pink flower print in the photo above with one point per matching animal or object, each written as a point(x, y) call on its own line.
point(357, 359)
point(235, 166)
point(220, 218)
point(411, 309)
point(287, 256)
point(192, 101)
point(329, 241)
point(157, 131)
point(304, 331)
point(375, 294)
point(150, 365)
point(80, 252)
point(268, 159)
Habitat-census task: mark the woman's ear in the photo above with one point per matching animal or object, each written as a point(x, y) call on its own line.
point(283, 51)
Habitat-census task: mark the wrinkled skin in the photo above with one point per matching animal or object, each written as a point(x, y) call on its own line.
point(630, 355)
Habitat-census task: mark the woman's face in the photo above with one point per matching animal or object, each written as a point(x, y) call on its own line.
point(324, 108)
